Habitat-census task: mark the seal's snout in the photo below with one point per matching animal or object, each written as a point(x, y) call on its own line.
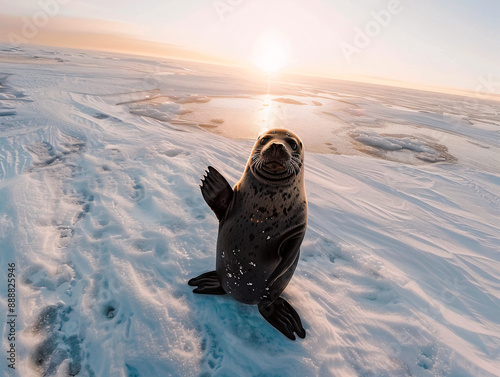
point(277, 147)
point(276, 152)
point(277, 156)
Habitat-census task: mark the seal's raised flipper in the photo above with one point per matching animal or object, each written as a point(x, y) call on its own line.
point(207, 283)
point(283, 316)
point(216, 192)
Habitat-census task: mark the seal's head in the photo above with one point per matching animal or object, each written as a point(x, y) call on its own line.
point(277, 157)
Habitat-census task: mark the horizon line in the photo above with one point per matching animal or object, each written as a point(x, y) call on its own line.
point(120, 44)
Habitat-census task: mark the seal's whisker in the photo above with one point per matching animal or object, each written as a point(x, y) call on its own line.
point(260, 163)
point(296, 165)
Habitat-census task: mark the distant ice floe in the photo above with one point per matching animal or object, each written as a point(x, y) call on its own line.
point(290, 101)
point(154, 105)
point(192, 98)
point(421, 149)
point(166, 111)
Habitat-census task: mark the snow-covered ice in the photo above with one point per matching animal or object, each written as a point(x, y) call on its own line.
point(100, 209)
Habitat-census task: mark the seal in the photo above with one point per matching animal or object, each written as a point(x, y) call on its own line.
point(262, 222)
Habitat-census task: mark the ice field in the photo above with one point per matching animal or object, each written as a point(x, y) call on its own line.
point(100, 160)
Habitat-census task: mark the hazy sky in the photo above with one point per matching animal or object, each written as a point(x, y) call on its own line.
point(442, 43)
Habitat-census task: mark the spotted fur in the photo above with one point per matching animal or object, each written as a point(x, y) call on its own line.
point(261, 216)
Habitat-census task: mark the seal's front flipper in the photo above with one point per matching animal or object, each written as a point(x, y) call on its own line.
point(207, 283)
point(216, 192)
point(289, 253)
point(283, 316)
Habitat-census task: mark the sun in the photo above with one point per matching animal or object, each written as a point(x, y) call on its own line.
point(270, 52)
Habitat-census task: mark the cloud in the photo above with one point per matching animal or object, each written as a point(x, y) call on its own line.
point(90, 34)
point(42, 23)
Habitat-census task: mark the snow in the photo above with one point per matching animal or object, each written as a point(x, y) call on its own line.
point(100, 209)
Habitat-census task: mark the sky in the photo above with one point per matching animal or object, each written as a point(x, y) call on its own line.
point(435, 43)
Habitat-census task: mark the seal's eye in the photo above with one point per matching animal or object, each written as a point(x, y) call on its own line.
point(293, 145)
point(264, 140)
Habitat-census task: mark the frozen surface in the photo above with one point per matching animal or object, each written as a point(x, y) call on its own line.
point(100, 160)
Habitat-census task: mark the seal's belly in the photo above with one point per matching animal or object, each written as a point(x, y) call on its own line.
point(246, 257)
point(249, 241)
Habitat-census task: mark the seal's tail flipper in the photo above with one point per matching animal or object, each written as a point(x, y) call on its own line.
point(207, 283)
point(283, 316)
point(216, 192)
